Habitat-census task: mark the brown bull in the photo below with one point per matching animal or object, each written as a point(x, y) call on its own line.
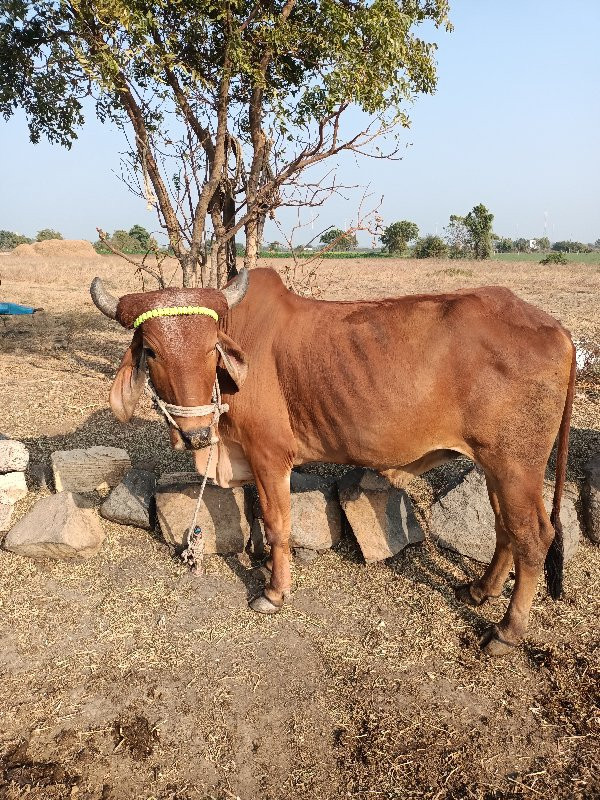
point(397, 385)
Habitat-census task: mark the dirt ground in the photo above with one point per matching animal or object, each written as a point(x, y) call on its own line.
point(126, 677)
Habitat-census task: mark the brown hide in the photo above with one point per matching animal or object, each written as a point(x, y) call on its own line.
point(383, 383)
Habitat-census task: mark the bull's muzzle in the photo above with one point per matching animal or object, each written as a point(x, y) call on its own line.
point(197, 438)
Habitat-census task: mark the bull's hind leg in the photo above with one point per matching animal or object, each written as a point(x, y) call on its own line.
point(493, 579)
point(524, 519)
point(274, 495)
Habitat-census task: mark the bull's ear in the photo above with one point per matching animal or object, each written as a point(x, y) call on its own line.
point(130, 379)
point(232, 358)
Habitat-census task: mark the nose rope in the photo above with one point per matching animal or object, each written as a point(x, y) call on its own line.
point(193, 554)
point(168, 410)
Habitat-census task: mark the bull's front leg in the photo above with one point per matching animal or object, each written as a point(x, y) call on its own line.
point(274, 494)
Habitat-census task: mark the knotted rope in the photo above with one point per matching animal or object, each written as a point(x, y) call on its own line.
point(194, 552)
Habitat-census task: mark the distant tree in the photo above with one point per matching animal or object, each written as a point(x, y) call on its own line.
point(569, 246)
point(340, 239)
point(543, 244)
point(430, 247)
point(9, 240)
point(142, 235)
point(396, 236)
point(458, 238)
point(240, 250)
point(504, 245)
point(47, 233)
point(597, 243)
point(121, 240)
point(521, 245)
point(479, 224)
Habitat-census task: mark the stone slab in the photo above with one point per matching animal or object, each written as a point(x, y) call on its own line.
point(6, 510)
point(13, 487)
point(463, 521)
point(132, 501)
point(59, 527)
point(14, 456)
point(222, 516)
point(590, 499)
point(89, 469)
point(381, 516)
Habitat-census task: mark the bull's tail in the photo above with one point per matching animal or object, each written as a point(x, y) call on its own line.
point(553, 566)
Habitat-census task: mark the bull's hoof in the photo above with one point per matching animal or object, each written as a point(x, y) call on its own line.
point(494, 644)
point(463, 593)
point(263, 605)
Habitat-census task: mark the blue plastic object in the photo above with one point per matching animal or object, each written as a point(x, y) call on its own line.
point(13, 308)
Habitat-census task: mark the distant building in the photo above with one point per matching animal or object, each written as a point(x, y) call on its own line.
point(533, 244)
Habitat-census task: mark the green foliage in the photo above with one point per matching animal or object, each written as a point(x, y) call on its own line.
point(320, 56)
point(396, 236)
point(430, 247)
point(478, 222)
point(339, 240)
point(571, 247)
point(240, 250)
point(504, 245)
point(142, 236)
point(9, 240)
point(521, 245)
point(125, 242)
point(543, 244)
point(555, 257)
point(471, 236)
point(47, 233)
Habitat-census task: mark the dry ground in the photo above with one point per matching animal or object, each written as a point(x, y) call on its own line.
point(125, 677)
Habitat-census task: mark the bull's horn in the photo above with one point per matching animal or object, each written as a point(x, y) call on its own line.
point(103, 300)
point(234, 293)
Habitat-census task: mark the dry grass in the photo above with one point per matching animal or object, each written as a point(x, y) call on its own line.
point(125, 677)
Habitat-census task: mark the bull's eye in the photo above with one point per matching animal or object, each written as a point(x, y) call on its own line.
point(149, 352)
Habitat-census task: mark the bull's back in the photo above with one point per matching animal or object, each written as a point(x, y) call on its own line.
point(391, 379)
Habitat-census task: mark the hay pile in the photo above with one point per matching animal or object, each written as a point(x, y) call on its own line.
point(57, 248)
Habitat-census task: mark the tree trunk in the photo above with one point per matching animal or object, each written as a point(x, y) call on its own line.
point(228, 223)
point(252, 243)
point(187, 268)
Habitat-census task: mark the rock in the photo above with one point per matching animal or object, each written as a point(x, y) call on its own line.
point(304, 556)
point(316, 519)
point(14, 456)
point(6, 510)
point(40, 476)
point(462, 520)
point(381, 516)
point(590, 499)
point(86, 470)
point(57, 527)
point(132, 501)
point(12, 487)
point(222, 514)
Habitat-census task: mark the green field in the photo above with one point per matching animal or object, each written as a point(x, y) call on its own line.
point(574, 258)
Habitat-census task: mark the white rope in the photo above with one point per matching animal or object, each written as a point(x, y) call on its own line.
point(216, 408)
point(193, 554)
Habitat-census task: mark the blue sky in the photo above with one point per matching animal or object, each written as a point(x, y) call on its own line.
point(515, 124)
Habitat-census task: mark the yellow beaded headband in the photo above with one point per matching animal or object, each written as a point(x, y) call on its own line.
point(175, 311)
